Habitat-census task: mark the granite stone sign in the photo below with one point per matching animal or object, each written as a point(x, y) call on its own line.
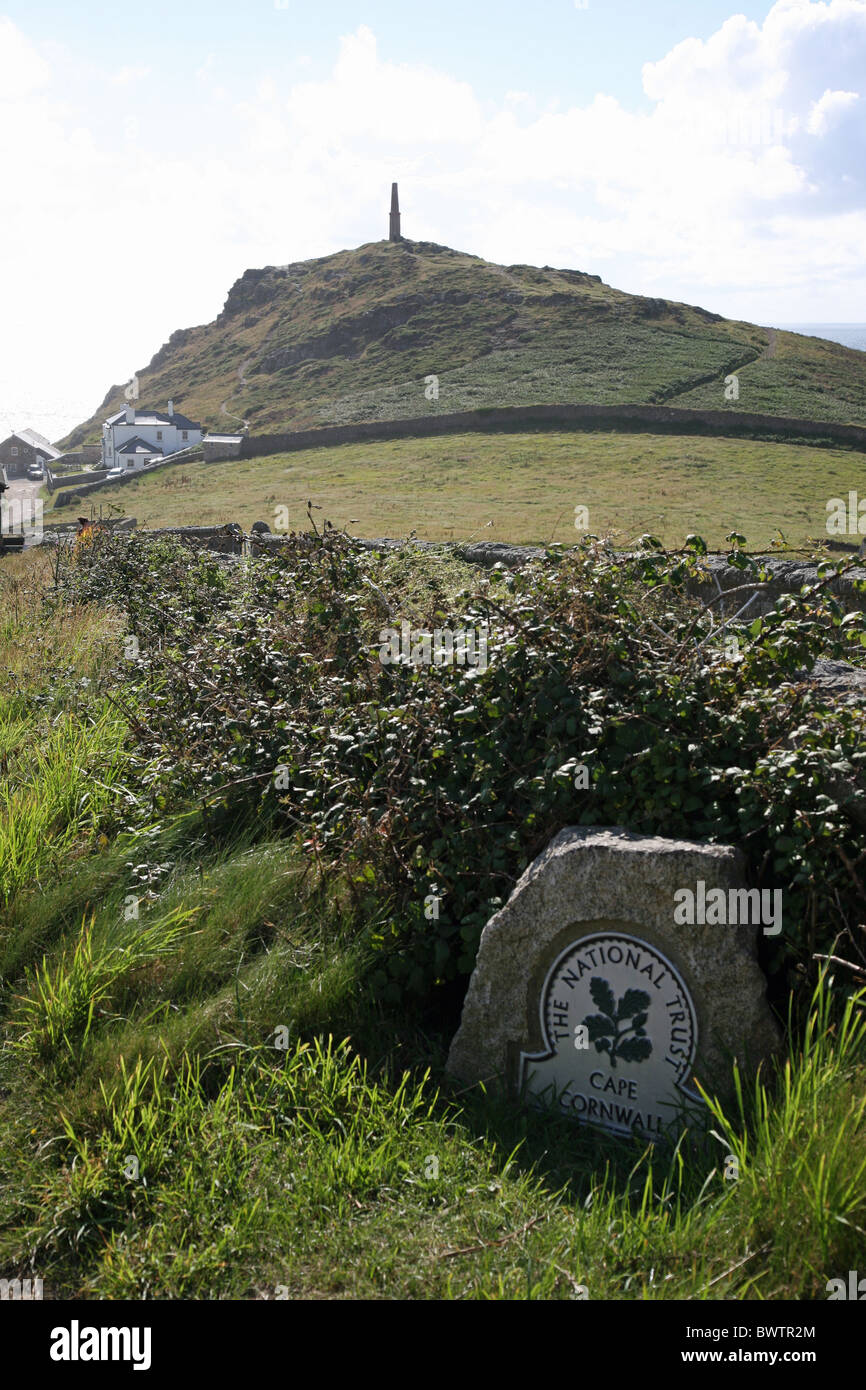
point(592, 993)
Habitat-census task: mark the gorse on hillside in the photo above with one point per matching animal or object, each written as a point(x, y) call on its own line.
point(351, 337)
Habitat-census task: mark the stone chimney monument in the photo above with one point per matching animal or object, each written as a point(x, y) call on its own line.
point(394, 233)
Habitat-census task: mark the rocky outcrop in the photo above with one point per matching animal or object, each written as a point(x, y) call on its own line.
point(177, 340)
point(839, 679)
point(254, 288)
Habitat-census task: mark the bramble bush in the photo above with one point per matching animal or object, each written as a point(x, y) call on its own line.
point(403, 777)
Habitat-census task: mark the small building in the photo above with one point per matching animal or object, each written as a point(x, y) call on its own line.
point(24, 449)
point(222, 446)
point(162, 434)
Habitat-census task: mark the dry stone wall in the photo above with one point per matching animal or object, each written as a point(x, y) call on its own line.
point(655, 418)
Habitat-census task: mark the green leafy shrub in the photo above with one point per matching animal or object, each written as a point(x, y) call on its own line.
point(434, 787)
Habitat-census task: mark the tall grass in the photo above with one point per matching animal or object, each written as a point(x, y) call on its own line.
point(57, 1010)
point(57, 788)
point(800, 1146)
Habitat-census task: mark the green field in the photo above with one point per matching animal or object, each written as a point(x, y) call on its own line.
point(521, 488)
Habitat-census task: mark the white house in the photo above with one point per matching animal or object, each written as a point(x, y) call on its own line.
point(134, 454)
point(132, 437)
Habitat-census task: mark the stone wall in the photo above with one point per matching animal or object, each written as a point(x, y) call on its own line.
point(787, 576)
point(57, 481)
point(654, 418)
point(73, 490)
point(215, 451)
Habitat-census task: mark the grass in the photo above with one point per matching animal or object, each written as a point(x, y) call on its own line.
point(521, 488)
point(805, 378)
point(206, 1100)
point(57, 786)
point(225, 1159)
point(61, 750)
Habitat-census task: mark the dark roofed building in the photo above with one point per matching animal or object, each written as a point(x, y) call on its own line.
point(23, 448)
point(159, 433)
point(137, 445)
point(154, 417)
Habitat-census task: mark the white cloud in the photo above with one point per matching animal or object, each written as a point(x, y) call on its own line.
point(398, 105)
point(22, 69)
point(127, 75)
point(825, 113)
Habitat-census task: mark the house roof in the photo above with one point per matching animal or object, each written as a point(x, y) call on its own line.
point(154, 417)
point(137, 446)
point(36, 441)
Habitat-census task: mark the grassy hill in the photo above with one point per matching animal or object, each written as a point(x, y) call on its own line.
point(514, 487)
point(350, 337)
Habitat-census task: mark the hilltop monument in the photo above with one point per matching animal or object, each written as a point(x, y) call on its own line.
point(394, 231)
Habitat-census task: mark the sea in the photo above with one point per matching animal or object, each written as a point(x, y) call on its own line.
point(852, 335)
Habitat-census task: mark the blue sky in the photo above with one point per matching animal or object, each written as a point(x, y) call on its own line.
point(695, 149)
point(551, 48)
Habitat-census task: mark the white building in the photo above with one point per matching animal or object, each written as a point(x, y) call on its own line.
point(133, 454)
point(134, 437)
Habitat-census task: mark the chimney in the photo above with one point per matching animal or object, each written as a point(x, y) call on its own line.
point(394, 230)
point(130, 415)
point(170, 409)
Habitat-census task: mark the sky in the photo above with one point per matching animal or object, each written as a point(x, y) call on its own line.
point(152, 153)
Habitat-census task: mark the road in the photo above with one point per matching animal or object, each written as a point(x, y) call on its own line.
point(19, 508)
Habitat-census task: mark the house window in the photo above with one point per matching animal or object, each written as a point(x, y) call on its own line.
point(159, 434)
point(184, 434)
point(14, 451)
